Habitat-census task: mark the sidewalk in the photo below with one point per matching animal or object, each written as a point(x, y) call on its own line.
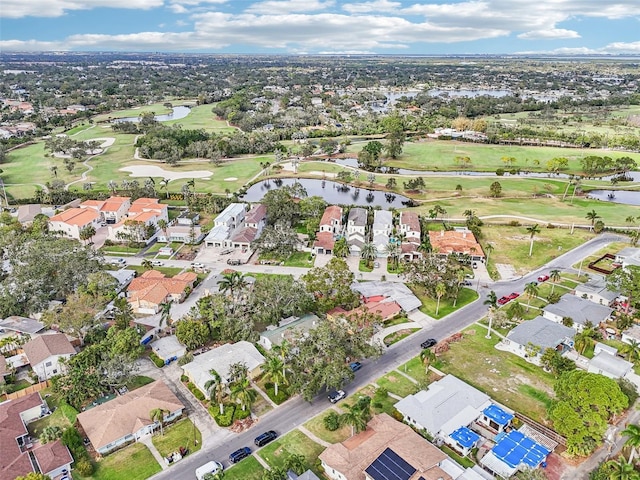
point(154, 451)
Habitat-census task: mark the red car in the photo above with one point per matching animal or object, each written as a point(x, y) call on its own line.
point(513, 296)
point(543, 278)
point(503, 300)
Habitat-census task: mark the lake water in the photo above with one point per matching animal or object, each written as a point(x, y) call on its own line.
point(176, 114)
point(626, 197)
point(331, 192)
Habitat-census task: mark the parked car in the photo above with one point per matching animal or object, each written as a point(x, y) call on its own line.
point(197, 265)
point(513, 295)
point(234, 261)
point(209, 467)
point(239, 454)
point(355, 366)
point(376, 264)
point(543, 278)
point(157, 263)
point(266, 437)
point(428, 343)
point(503, 300)
point(336, 396)
point(474, 265)
point(118, 262)
point(467, 283)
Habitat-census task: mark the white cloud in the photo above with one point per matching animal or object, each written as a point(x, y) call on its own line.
point(616, 48)
point(274, 7)
point(623, 47)
point(375, 6)
point(551, 34)
point(56, 8)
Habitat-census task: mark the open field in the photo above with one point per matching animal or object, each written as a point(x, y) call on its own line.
point(202, 118)
point(182, 434)
point(156, 108)
point(507, 378)
point(293, 443)
point(316, 426)
point(247, 469)
point(134, 462)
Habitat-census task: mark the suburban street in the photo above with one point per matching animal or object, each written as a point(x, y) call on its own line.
point(297, 411)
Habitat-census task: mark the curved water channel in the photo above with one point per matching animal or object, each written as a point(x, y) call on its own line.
point(176, 114)
point(332, 193)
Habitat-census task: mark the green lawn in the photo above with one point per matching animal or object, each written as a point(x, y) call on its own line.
point(56, 419)
point(363, 266)
point(299, 259)
point(295, 442)
point(247, 469)
point(428, 307)
point(202, 118)
point(612, 248)
point(168, 271)
point(396, 383)
point(181, 434)
point(134, 462)
point(316, 426)
point(395, 337)
point(499, 374)
point(415, 369)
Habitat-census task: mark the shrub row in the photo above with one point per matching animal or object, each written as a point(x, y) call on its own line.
point(232, 412)
point(196, 393)
point(156, 360)
point(82, 462)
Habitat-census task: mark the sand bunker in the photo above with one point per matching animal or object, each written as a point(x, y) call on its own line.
point(230, 179)
point(153, 171)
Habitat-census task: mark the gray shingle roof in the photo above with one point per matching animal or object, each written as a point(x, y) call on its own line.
point(611, 364)
point(541, 332)
point(579, 309)
point(395, 290)
point(357, 216)
point(596, 285)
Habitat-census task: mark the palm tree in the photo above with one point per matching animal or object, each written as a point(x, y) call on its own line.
point(112, 186)
point(241, 390)
point(283, 350)
point(232, 282)
point(427, 357)
point(459, 282)
point(631, 350)
point(273, 370)
point(441, 289)
point(392, 249)
point(630, 219)
point(216, 389)
point(531, 290)
point(581, 341)
point(341, 248)
point(296, 462)
point(150, 184)
point(554, 276)
point(165, 313)
point(157, 415)
point(621, 470)
point(87, 232)
point(146, 264)
point(532, 231)
point(593, 216)
point(369, 252)
point(633, 433)
point(164, 183)
point(162, 225)
point(355, 416)
point(492, 301)
point(488, 249)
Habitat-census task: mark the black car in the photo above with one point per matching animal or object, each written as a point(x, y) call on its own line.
point(239, 454)
point(266, 437)
point(355, 366)
point(428, 343)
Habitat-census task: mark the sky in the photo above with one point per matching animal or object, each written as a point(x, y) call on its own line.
point(405, 27)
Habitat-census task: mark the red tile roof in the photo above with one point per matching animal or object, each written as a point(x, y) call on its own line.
point(448, 242)
point(324, 240)
point(153, 287)
point(51, 456)
point(76, 216)
point(332, 212)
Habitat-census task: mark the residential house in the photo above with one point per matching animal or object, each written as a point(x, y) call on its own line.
point(127, 419)
point(383, 307)
point(147, 292)
point(628, 256)
point(111, 210)
point(256, 217)
point(456, 242)
point(184, 229)
point(578, 309)
point(26, 213)
point(512, 452)
point(146, 212)
point(606, 362)
point(22, 325)
point(445, 406)
point(168, 348)
point(409, 231)
point(220, 359)
point(254, 223)
point(390, 291)
point(387, 449)
point(630, 335)
point(382, 230)
point(72, 221)
point(496, 418)
point(19, 457)
point(356, 230)
point(595, 290)
point(531, 338)
point(224, 224)
point(324, 243)
point(331, 220)
point(287, 329)
point(47, 354)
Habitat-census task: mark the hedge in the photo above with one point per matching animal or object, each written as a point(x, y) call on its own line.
point(232, 412)
point(196, 392)
point(283, 393)
point(156, 359)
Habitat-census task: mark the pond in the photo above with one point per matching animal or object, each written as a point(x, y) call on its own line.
point(176, 114)
point(332, 193)
point(626, 197)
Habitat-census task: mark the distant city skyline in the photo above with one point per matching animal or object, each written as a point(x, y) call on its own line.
point(409, 27)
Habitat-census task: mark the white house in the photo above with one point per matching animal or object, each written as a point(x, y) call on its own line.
point(45, 353)
point(629, 256)
point(73, 220)
point(356, 230)
point(606, 362)
point(286, 330)
point(445, 406)
point(111, 210)
point(382, 230)
point(220, 359)
point(232, 216)
point(595, 290)
point(531, 338)
point(578, 309)
point(331, 220)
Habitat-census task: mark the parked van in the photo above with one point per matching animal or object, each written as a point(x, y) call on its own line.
point(210, 467)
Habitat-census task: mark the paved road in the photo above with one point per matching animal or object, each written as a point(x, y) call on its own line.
point(297, 411)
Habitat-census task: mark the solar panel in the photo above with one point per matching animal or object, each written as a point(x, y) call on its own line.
point(390, 466)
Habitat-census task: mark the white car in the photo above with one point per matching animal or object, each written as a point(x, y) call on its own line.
point(118, 262)
point(157, 263)
point(198, 265)
point(210, 467)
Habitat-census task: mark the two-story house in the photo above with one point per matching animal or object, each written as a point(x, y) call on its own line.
point(330, 227)
point(382, 230)
point(73, 221)
point(47, 353)
point(409, 231)
point(224, 225)
point(356, 230)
